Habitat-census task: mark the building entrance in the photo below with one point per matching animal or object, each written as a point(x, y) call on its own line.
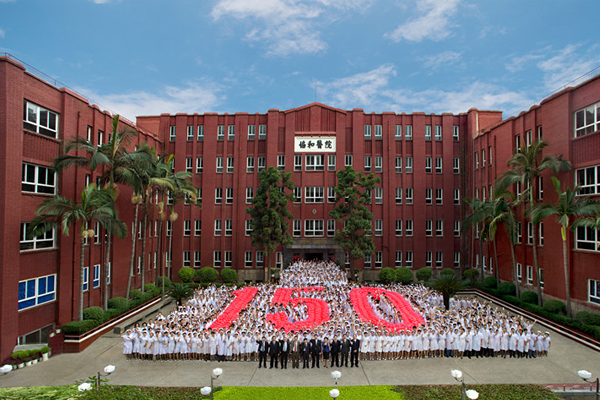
point(314, 256)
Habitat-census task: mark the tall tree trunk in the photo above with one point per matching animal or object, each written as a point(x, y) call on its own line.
point(267, 266)
point(81, 277)
point(170, 254)
point(133, 242)
point(480, 258)
point(514, 263)
point(161, 265)
point(496, 260)
point(106, 271)
point(144, 241)
point(537, 266)
point(566, 270)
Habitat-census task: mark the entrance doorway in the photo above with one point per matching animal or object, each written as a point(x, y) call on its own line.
point(314, 256)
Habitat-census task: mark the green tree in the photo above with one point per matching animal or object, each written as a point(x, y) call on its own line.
point(476, 219)
point(270, 213)
point(96, 205)
point(448, 285)
point(180, 292)
point(569, 206)
point(525, 167)
point(506, 202)
point(353, 194)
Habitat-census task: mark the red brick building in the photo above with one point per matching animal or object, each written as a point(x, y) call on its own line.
point(426, 164)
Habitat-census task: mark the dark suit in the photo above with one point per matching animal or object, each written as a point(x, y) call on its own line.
point(263, 349)
point(295, 354)
point(305, 351)
point(274, 352)
point(284, 351)
point(316, 346)
point(335, 352)
point(354, 352)
point(345, 349)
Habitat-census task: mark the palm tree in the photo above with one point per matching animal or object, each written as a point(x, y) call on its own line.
point(96, 205)
point(526, 166)
point(448, 285)
point(505, 202)
point(568, 206)
point(477, 218)
point(180, 292)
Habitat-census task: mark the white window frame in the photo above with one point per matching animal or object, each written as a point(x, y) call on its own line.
point(314, 228)
point(187, 227)
point(368, 164)
point(398, 195)
point(586, 120)
point(219, 164)
point(200, 133)
point(230, 165)
point(378, 227)
point(593, 291)
point(249, 195)
point(315, 162)
point(218, 195)
point(378, 195)
point(218, 227)
point(427, 132)
point(438, 165)
point(281, 162)
point(32, 120)
point(438, 132)
point(190, 132)
point(314, 194)
point(40, 177)
point(199, 165)
point(409, 195)
point(261, 163)
point(348, 159)
point(251, 132)
point(198, 227)
point(41, 242)
point(408, 168)
point(398, 165)
point(398, 230)
point(220, 132)
point(172, 133)
point(331, 162)
point(398, 259)
point(408, 132)
point(217, 259)
point(229, 195)
point(41, 283)
point(408, 262)
point(408, 227)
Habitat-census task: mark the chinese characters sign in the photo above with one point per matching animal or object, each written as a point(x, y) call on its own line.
point(314, 144)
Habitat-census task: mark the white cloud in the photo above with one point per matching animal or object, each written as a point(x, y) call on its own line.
point(444, 59)
point(193, 97)
point(519, 63)
point(101, 1)
point(569, 64)
point(433, 23)
point(2, 33)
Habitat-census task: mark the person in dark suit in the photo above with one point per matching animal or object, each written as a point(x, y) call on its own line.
point(316, 346)
point(274, 351)
point(295, 351)
point(284, 351)
point(345, 345)
point(335, 351)
point(354, 348)
point(305, 351)
point(263, 349)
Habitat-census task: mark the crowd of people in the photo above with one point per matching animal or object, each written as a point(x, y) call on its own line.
point(470, 328)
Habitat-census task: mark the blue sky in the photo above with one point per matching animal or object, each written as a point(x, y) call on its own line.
point(145, 57)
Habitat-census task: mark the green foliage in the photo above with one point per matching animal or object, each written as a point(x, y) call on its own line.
point(111, 313)
point(507, 288)
point(147, 296)
point(387, 275)
point(135, 294)
point(424, 274)
point(19, 355)
point(472, 274)
point(555, 306)
point(447, 271)
point(45, 350)
point(79, 327)
point(186, 274)
point(39, 392)
point(229, 275)
point(447, 285)
point(351, 211)
point(529, 297)
point(120, 303)
point(149, 287)
point(180, 292)
point(134, 303)
point(207, 275)
point(488, 392)
point(159, 282)
point(588, 318)
point(404, 275)
point(95, 313)
point(490, 282)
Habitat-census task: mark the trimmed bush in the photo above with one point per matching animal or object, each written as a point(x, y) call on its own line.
point(147, 296)
point(229, 275)
point(19, 355)
point(79, 327)
point(44, 349)
point(204, 285)
point(133, 303)
point(111, 313)
point(387, 275)
point(186, 274)
point(218, 284)
point(490, 282)
point(207, 274)
point(159, 282)
point(472, 274)
point(447, 271)
point(507, 288)
point(120, 303)
point(149, 287)
point(424, 274)
point(135, 294)
point(588, 318)
point(95, 313)
point(404, 275)
point(529, 297)
point(555, 306)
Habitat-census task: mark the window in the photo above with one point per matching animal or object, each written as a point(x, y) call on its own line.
point(439, 227)
point(409, 165)
point(297, 228)
point(378, 259)
point(221, 132)
point(40, 120)
point(331, 194)
point(218, 227)
point(378, 195)
point(96, 276)
point(197, 227)
point(249, 194)
point(250, 164)
point(331, 227)
point(169, 228)
point(455, 132)
point(456, 197)
point(230, 165)
point(187, 227)
point(230, 132)
point(476, 160)
point(219, 164)
point(89, 133)
point(378, 131)
point(200, 133)
point(251, 132)
point(100, 137)
point(428, 227)
point(228, 227)
point(228, 195)
point(519, 232)
point(262, 132)
point(398, 164)
point(483, 158)
point(439, 196)
point(378, 227)
point(398, 195)
point(313, 227)
point(199, 165)
point(367, 264)
point(378, 164)
point(529, 271)
point(541, 234)
point(438, 132)
point(297, 194)
point(456, 259)
point(398, 259)
point(438, 165)
point(172, 131)
point(408, 132)
point(398, 132)
point(428, 196)
point(297, 163)
point(190, 132)
point(217, 259)
point(587, 120)
point(491, 265)
point(86, 275)
point(428, 165)
point(218, 195)
point(38, 179)
point(197, 259)
point(529, 233)
point(439, 259)
point(248, 259)
point(188, 164)
point(409, 228)
point(260, 259)
point(314, 194)
point(315, 163)
point(262, 162)
point(456, 165)
point(588, 179)
point(44, 241)
point(427, 132)
point(367, 131)
point(490, 152)
point(398, 227)
point(281, 162)
point(593, 291)
point(187, 262)
point(409, 195)
point(587, 239)
point(199, 196)
point(36, 291)
point(248, 227)
point(428, 259)
point(409, 259)
point(348, 160)
point(367, 163)
point(517, 143)
point(540, 188)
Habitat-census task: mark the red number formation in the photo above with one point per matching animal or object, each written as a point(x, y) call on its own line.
point(317, 309)
point(232, 312)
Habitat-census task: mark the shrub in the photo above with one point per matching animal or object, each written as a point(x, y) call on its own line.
point(447, 271)
point(387, 275)
point(204, 285)
point(159, 282)
point(120, 303)
point(44, 349)
point(218, 284)
point(529, 297)
point(588, 318)
point(207, 274)
point(147, 296)
point(471, 274)
point(404, 275)
point(490, 282)
point(149, 287)
point(512, 299)
point(424, 274)
point(79, 327)
point(133, 303)
point(555, 306)
point(186, 274)
point(95, 313)
point(111, 313)
point(18, 355)
point(229, 275)
point(135, 294)
point(507, 288)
